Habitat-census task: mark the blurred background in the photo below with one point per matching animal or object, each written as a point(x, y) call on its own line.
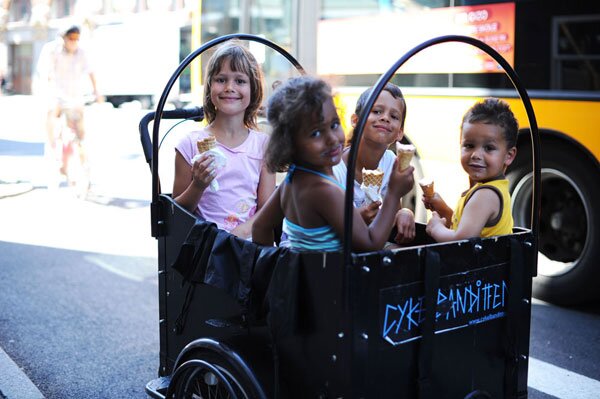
point(99, 247)
point(554, 47)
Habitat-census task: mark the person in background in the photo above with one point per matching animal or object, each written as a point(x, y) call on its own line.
point(64, 68)
point(2, 82)
point(488, 142)
point(3, 70)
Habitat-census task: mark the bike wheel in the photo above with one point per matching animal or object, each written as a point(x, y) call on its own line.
point(201, 379)
point(244, 381)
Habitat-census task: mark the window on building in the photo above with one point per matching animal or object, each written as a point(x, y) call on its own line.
point(19, 10)
point(61, 8)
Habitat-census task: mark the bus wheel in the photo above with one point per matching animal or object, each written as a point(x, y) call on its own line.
point(569, 222)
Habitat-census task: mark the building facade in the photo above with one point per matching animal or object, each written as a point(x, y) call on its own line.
point(26, 25)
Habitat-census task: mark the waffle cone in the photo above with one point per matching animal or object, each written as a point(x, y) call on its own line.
point(405, 153)
point(427, 187)
point(372, 177)
point(206, 144)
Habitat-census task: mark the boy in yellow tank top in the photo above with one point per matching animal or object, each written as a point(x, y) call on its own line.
point(488, 146)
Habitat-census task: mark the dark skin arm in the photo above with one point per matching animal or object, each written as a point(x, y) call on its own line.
point(368, 212)
point(310, 205)
point(267, 218)
point(404, 220)
point(373, 236)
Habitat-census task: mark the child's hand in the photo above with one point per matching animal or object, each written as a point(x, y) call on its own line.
point(433, 203)
point(436, 222)
point(368, 212)
point(401, 182)
point(203, 171)
point(405, 224)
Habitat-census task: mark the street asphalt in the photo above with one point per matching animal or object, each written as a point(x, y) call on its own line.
point(23, 169)
point(14, 383)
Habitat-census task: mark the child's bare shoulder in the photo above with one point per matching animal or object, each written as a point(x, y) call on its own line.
point(486, 197)
point(315, 187)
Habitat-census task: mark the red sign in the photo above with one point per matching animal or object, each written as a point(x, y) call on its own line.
point(372, 44)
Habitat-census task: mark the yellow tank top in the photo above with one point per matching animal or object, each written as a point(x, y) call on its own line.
point(504, 223)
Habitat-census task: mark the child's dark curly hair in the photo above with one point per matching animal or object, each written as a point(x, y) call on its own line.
point(240, 60)
point(494, 111)
point(289, 109)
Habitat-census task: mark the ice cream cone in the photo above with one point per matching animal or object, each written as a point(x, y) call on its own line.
point(206, 144)
point(372, 177)
point(427, 186)
point(405, 153)
point(371, 185)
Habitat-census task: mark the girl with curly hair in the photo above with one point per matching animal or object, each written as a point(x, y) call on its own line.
point(307, 140)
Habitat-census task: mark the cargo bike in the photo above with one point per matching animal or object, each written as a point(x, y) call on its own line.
point(431, 320)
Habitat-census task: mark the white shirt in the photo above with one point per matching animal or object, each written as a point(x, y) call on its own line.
point(67, 73)
point(386, 163)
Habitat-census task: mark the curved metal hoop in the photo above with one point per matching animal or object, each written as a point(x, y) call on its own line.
point(184, 64)
point(533, 128)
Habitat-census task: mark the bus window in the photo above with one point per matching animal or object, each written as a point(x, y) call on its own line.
point(576, 64)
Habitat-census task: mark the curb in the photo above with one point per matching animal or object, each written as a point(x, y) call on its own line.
point(14, 383)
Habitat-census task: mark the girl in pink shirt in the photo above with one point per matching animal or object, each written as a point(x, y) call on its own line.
point(228, 185)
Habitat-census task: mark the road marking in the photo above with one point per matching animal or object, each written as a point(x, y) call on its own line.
point(559, 382)
point(112, 269)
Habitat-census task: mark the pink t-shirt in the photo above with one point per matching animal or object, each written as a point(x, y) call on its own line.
point(235, 200)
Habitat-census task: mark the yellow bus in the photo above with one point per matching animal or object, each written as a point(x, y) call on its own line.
point(553, 45)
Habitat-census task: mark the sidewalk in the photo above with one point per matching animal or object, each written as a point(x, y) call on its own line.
point(14, 383)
